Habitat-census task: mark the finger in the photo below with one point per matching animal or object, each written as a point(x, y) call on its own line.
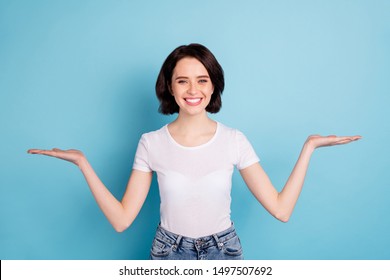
point(352, 136)
point(346, 139)
point(343, 141)
point(35, 151)
point(42, 152)
point(55, 152)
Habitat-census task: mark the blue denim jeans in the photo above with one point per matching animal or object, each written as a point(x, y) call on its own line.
point(224, 245)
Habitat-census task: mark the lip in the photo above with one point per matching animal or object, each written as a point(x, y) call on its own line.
point(193, 101)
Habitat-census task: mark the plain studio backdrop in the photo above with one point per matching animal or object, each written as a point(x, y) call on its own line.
point(81, 74)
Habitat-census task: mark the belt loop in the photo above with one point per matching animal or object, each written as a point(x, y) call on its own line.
point(177, 243)
point(220, 244)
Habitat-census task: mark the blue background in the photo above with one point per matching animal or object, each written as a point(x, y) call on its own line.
point(81, 74)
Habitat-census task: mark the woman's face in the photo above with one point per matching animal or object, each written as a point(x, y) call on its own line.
point(191, 86)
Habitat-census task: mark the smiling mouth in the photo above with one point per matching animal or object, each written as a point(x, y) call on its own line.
point(193, 101)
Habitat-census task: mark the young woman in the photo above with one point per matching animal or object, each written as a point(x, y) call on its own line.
point(194, 157)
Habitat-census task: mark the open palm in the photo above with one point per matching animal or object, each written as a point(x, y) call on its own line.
point(317, 141)
point(72, 155)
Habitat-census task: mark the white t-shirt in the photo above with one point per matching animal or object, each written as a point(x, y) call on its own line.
point(194, 182)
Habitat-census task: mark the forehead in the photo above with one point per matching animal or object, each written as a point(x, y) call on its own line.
point(189, 66)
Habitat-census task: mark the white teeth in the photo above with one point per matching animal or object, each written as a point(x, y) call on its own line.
point(192, 100)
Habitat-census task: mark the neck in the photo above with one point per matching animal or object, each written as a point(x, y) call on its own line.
point(189, 124)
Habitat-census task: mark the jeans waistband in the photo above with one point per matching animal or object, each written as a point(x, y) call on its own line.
point(177, 240)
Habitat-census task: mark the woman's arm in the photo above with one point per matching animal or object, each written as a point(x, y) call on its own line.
point(281, 205)
point(119, 214)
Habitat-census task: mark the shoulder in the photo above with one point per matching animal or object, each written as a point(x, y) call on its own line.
point(233, 136)
point(153, 138)
point(152, 141)
point(230, 132)
point(155, 134)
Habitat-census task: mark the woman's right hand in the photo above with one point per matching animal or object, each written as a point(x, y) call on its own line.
point(120, 214)
point(74, 156)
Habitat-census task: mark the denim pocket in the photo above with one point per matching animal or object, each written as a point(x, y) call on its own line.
point(160, 249)
point(232, 247)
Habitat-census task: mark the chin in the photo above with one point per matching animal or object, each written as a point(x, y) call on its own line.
point(193, 112)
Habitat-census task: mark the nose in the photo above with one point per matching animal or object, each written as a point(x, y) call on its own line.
point(192, 89)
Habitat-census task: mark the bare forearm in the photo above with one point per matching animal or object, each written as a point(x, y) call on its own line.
point(111, 207)
point(119, 214)
point(288, 197)
point(281, 205)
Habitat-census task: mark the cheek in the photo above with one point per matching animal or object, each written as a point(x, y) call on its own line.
point(175, 90)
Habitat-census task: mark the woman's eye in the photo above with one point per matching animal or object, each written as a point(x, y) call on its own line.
point(203, 81)
point(182, 81)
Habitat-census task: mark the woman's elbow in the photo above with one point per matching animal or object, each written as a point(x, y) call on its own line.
point(121, 227)
point(283, 217)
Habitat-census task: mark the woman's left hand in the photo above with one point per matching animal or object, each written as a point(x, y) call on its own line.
point(317, 141)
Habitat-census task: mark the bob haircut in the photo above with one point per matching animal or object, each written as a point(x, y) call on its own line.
point(168, 104)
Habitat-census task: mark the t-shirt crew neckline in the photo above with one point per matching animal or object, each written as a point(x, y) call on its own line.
point(194, 147)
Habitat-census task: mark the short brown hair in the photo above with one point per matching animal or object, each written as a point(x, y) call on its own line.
point(168, 104)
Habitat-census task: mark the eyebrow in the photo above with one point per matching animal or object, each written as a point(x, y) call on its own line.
point(198, 77)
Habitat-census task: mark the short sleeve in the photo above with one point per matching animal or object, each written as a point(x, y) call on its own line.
point(141, 159)
point(246, 155)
